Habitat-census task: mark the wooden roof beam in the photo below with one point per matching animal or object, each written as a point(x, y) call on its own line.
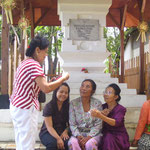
point(32, 20)
point(43, 4)
point(143, 6)
point(4, 54)
point(113, 19)
point(40, 19)
point(139, 2)
point(124, 17)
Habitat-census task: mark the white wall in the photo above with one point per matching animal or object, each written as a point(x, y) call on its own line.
point(128, 51)
point(133, 47)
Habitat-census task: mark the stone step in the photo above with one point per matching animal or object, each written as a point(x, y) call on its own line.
point(127, 100)
point(6, 126)
point(99, 91)
point(103, 86)
point(101, 80)
point(80, 74)
point(93, 69)
point(85, 56)
point(77, 67)
point(7, 131)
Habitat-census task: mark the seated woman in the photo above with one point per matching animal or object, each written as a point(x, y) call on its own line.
point(85, 129)
point(115, 136)
point(142, 134)
point(54, 131)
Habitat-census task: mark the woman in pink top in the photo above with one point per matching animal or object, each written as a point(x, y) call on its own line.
point(142, 134)
point(29, 80)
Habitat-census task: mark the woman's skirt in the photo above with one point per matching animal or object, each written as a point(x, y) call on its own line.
point(144, 142)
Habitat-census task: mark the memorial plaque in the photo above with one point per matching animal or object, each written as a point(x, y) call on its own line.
point(84, 29)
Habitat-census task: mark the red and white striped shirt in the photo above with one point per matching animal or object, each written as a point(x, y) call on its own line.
point(25, 89)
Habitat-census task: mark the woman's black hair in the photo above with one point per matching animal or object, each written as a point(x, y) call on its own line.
point(65, 106)
point(93, 84)
point(38, 41)
point(117, 91)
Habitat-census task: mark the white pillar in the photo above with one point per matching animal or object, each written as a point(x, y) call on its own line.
point(88, 54)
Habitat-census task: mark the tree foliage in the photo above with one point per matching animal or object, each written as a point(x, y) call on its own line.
point(112, 36)
point(53, 33)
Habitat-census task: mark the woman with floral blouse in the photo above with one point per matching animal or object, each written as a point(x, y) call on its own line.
point(86, 130)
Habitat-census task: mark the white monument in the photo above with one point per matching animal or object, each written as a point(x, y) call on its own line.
point(83, 19)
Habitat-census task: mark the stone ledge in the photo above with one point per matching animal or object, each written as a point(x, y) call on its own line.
point(8, 127)
point(7, 132)
point(131, 127)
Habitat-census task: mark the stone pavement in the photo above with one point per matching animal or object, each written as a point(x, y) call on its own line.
point(38, 146)
point(12, 146)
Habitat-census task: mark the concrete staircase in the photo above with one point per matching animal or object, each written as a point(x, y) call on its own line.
point(129, 97)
